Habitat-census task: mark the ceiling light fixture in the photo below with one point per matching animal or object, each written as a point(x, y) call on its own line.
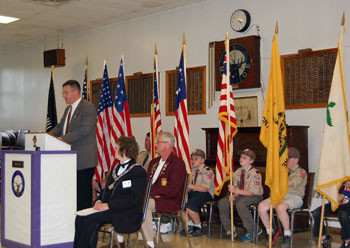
point(7, 19)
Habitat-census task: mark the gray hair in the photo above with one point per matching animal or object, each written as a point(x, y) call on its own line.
point(167, 137)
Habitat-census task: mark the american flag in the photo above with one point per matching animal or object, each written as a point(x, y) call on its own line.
point(156, 122)
point(104, 129)
point(86, 92)
point(181, 129)
point(227, 119)
point(121, 116)
point(51, 117)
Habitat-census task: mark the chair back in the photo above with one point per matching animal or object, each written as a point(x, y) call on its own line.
point(146, 199)
point(184, 194)
point(308, 190)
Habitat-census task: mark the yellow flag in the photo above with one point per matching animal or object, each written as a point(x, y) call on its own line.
point(334, 167)
point(273, 133)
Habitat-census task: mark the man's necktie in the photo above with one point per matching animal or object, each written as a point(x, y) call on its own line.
point(241, 180)
point(195, 176)
point(68, 119)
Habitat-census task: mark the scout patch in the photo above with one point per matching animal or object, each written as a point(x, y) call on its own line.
point(164, 182)
point(302, 174)
point(210, 175)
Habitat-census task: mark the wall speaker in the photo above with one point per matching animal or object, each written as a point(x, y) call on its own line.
point(55, 58)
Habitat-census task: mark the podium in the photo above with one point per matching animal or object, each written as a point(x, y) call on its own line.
point(38, 194)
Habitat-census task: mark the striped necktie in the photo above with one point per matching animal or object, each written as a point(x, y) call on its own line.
point(68, 119)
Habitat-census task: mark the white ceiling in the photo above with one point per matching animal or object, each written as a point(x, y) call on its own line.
point(41, 19)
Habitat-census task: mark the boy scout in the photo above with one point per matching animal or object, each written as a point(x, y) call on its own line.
point(297, 179)
point(247, 190)
point(201, 189)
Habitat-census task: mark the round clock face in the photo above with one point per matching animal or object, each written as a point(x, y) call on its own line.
point(240, 20)
point(239, 63)
point(18, 183)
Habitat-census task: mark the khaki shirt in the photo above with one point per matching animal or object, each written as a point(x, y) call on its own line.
point(299, 178)
point(252, 180)
point(205, 178)
point(140, 158)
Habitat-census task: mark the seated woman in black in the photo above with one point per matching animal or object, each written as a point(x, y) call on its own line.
point(121, 201)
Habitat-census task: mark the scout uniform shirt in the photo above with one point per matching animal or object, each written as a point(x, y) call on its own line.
point(345, 190)
point(299, 178)
point(252, 180)
point(143, 158)
point(205, 178)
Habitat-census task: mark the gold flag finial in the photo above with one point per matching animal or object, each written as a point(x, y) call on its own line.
point(86, 60)
point(184, 39)
point(155, 48)
point(227, 39)
point(276, 28)
point(343, 19)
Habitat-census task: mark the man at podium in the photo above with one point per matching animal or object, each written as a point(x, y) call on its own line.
point(78, 127)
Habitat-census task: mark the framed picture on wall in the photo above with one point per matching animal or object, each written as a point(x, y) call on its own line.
point(246, 111)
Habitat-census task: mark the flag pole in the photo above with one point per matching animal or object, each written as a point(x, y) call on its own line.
point(184, 57)
point(152, 111)
point(87, 80)
point(271, 210)
point(321, 223)
point(228, 131)
point(53, 80)
point(343, 90)
point(53, 76)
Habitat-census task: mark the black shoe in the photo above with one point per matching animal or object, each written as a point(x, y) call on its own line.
point(183, 232)
point(345, 245)
point(195, 232)
point(286, 242)
point(327, 242)
point(274, 237)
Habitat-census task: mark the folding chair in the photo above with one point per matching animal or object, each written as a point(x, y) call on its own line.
point(110, 228)
point(208, 206)
point(305, 208)
point(175, 215)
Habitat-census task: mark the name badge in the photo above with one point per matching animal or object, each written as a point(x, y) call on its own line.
point(126, 184)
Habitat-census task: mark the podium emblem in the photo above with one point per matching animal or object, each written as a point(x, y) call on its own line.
point(18, 183)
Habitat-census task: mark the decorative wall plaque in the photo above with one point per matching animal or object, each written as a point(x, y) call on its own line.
point(244, 62)
point(307, 78)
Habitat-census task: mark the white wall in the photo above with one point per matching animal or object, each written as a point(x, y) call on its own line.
point(302, 24)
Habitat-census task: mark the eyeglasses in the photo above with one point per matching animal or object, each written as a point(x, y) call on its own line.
point(64, 93)
point(161, 141)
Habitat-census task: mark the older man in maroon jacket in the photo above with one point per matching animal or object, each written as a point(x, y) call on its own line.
point(167, 173)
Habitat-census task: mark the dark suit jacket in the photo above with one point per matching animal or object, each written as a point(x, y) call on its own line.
point(81, 133)
point(167, 189)
point(125, 198)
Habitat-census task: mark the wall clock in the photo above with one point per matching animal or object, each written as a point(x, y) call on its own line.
point(244, 62)
point(240, 20)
